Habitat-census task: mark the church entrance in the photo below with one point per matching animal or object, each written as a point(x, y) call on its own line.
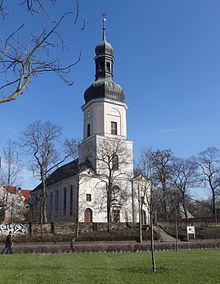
point(88, 216)
point(116, 216)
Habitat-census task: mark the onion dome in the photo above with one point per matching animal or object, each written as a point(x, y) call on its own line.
point(104, 88)
point(104, 47)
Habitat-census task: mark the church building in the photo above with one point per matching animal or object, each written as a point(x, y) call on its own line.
point(99, 186)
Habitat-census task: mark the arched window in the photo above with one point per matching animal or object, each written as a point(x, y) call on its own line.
point(115, 195)
point(144, 217)
point(88, 215)
point(115, 165)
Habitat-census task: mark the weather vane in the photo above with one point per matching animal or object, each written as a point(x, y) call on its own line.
point(103, 27)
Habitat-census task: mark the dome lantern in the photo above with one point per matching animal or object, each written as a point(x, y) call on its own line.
point(104, 85)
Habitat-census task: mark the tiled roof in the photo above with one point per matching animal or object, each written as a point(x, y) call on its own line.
point(26, 194)
point(11, 189)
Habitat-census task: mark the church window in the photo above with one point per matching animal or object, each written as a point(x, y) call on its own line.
point(88, 130)
point(71, 200)
point(56, 202)
point(64, 202)
point(88, 197)
point(114, 128)
point(115, 162)
point(51, 200)
point(108, 66)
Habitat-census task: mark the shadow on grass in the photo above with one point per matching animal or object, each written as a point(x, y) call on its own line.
point(144, 270)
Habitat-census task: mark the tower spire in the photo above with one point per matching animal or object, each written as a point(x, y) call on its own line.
point(103, 26)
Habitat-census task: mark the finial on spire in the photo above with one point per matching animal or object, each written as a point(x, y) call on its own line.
point(103, 26)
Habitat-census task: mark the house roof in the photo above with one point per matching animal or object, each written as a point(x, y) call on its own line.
point(11, 189)
point(15, 190)
point(26, 194)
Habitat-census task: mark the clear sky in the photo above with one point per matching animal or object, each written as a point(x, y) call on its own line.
point(167, 59)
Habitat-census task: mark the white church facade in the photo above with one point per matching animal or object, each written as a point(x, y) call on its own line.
point(99, 186)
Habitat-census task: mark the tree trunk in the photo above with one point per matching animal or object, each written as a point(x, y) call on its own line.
point(214, 213)
point(109, 216)
point(44, 202)
point(184, 206)
point(140, 217)
point(165, 213)
point(153, 259)
point(176, 225)
point(109, 209)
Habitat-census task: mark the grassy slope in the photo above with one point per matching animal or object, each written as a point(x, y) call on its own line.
point(198, 266)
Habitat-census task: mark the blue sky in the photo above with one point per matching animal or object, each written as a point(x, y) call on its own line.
point(167, 59)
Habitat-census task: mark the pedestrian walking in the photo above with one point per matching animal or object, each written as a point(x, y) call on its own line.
point(72, 245)
point(8, 243)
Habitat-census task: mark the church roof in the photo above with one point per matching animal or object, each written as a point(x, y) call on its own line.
point(104, 47)
point(68, 170)
point(63, 172)
point(104, 88)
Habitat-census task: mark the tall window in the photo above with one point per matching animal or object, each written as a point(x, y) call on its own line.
point(108, 66)
point(88, 197)
point(88, 130)
point(56, 202)
point(71, 200)
point(64, 202)
point(51, 200)
point(114, 128)
point(115, 162)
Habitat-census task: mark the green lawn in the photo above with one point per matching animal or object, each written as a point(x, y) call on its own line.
point(189, 266)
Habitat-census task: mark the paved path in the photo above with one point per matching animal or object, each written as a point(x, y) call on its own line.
point(49, 247)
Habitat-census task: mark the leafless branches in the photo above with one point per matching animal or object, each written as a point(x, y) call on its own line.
point(41, 139)
point(112, 166)
point(184, 177)
point(209, 163)
point(11, 167)
point(23, 59)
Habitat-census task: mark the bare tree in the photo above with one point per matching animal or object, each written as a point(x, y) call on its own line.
point(161, 167)
point(11, 164)
point(141, 191)
point(209, 163)
point(21, 58)
point(184, 176)
point(10, 171)
point(41, 139)
point(112, 167)
point(147, 165)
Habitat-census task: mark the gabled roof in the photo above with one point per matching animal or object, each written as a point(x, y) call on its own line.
point(26, 194)
point(11, 189)
point(63, 172)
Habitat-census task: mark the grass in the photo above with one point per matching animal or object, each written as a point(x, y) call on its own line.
point(189, 266)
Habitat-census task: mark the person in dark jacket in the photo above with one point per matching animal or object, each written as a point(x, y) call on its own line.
point(72, 245)
point(8, 243)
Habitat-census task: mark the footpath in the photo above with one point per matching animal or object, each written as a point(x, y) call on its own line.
point(111, 246)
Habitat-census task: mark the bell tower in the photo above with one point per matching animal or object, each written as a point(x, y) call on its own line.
point(105, 108)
